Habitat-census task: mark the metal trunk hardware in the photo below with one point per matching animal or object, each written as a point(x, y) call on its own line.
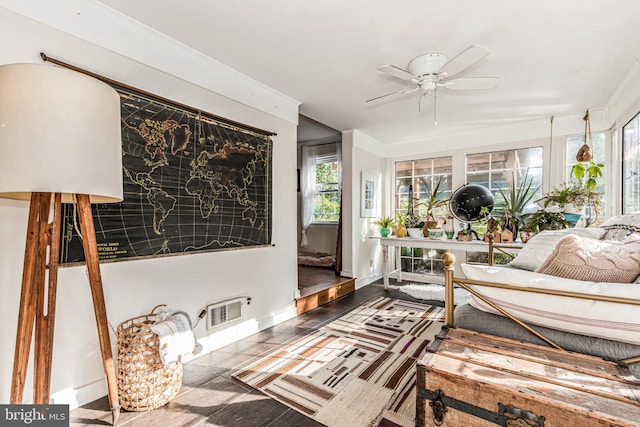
point(439, 408)
point(516, 417)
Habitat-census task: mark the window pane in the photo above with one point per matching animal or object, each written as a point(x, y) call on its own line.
point(631, 166)
point(326, 202)
point(421, 175)
point(504, 169)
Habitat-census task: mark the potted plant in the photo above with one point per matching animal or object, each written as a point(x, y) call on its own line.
point(571, 199)
point(587, 173)
point(433, 202)
point(401, 230)
point(414, 225)
point(385, 223)
point(515, 199)
point(545, 220)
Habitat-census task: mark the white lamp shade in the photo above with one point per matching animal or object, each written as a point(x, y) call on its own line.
point(59, 133)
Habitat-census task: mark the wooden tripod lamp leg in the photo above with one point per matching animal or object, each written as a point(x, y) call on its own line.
point(95, 280)
point(46, 302)
point(33, 271)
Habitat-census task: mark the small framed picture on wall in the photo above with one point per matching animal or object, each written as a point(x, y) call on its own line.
point(369, 195)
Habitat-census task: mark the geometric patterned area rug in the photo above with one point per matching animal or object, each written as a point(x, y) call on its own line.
point(358, 370)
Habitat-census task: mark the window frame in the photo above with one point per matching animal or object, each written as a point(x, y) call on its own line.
point(326, 159)
point(421, 261)
point(521, 171)
point(626, 164)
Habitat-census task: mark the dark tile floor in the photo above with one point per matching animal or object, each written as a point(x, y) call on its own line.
point(210, 397)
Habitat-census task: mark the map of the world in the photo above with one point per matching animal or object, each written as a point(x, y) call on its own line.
point(191, 183)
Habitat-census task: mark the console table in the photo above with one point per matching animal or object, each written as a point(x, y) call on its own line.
point(448, 244)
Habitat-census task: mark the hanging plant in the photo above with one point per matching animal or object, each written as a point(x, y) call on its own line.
point(587, 174)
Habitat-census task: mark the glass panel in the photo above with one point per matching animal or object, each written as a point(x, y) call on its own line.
point(403, 169)
point(631, 166)
point(421, 173)
point(326, 201)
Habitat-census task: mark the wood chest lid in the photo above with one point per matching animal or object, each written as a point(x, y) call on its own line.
point(473, 367)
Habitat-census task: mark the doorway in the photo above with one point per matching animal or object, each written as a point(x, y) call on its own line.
point(319, 214)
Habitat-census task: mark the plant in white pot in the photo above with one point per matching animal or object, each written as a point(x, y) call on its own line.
point(414, 226)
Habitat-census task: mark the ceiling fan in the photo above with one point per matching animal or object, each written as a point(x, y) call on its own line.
point(432, 71)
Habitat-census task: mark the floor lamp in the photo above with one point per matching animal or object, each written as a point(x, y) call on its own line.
point(60, 141)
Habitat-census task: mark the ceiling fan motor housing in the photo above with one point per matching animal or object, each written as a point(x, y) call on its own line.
point(429, 64)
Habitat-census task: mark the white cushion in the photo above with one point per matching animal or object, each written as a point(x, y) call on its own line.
point(618, 322)
point(622, 226)
point(629, 221)
point(538, 248)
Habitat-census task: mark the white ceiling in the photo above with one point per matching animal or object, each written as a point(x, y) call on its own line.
point(553, 57)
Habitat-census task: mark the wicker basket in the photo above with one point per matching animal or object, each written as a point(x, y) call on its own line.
point(144, 383)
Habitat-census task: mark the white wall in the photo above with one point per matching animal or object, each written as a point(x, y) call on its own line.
point(132, 288)
point(361, 255)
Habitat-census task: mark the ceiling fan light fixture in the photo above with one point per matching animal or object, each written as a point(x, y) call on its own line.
point(428, 64)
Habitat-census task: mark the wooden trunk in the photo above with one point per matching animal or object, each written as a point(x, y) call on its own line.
point(471, 379)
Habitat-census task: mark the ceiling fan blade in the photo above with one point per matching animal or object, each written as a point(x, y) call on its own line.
point(472, 83)
point(463, 60)
point(396, 72)
point(400, 92)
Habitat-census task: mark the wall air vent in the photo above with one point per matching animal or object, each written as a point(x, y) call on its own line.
point(223, 312)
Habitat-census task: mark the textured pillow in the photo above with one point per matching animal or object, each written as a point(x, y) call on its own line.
point(536, 250)
point(580, 258)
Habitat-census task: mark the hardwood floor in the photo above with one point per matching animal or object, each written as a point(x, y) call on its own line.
point(315, 279)
point(210, 397)
point(319, 286)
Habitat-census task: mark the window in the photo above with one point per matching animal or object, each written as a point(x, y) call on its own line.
point(631, 165)
point(418, 177)
point(504, 169)
point(326, 202)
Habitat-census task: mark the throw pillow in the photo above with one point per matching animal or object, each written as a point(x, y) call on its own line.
point(580, 258)
point(630, 221)
point(621, 226)
point(538, 248)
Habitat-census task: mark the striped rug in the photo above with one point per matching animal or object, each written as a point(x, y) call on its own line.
point(358, 370)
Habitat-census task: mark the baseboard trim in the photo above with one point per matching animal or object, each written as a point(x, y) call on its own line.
point(82, 395)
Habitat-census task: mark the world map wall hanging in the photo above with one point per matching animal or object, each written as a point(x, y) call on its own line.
point(192, 182)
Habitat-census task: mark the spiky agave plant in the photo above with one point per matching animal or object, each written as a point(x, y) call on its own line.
point(517, 197)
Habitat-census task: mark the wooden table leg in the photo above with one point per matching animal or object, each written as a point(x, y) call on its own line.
point(95, 281)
